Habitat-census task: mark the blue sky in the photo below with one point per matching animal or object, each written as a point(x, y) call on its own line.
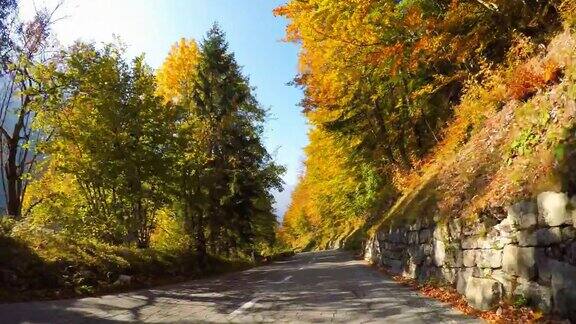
point(254, 34)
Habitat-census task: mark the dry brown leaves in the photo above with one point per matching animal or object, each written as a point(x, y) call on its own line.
point(505, 313)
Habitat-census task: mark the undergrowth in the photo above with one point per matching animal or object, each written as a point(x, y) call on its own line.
point(40, 264)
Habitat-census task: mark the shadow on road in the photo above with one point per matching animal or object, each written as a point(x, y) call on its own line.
point(311, 287)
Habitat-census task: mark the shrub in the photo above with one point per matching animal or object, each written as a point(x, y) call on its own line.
point(526, 82)
point(6, 225)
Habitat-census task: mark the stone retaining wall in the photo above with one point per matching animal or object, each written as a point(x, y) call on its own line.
point(528, 252)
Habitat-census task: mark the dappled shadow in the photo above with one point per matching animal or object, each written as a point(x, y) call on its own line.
point(21, 268)
point(311, 287)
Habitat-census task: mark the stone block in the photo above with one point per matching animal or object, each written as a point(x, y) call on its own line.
point(523, 214)
point(382, 235)
point(441, 232)
point(555, 252)
point(397, 236)
point(520, 261)
point(425, 236)
point(564, 288)
point(423, 273)
point(538, 296)
point(427, 249)
point(470, 242)
point(469, 258)
point(495, 242)
point(410, 271)
point(394, 266)
point(449, 275)
point(452, 256)
point(544, 266)
point(571, 253)
point(396, 254)
point(527, 238)
point(474, 228)
point(508, 281)
point(416, 225)
point(552, 209)
point(483, 293)
point(416, 254)
point(506, 228)
point(372, 251)
point(548, 236)
point(439, 253)
point(489, 259)
point(462, 280)
point(429, 262)
point(481, 272)
point(568, 233)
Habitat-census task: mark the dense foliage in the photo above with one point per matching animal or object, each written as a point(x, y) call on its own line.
point(385, 81)
point(103, 153)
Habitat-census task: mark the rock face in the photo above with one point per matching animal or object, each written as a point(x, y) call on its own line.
point(530, 251)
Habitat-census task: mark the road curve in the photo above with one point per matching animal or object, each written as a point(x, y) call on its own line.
point(309, 288)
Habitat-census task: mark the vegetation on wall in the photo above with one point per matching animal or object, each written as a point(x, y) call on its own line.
point(441, 103)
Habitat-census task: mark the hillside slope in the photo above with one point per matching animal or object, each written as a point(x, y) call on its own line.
point(427, 110)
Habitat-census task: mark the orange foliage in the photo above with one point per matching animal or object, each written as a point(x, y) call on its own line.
point(532, 76)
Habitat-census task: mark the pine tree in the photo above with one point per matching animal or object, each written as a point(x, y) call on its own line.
point(228, 172)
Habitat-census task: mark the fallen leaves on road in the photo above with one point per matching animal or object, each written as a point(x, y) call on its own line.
point(505, 313)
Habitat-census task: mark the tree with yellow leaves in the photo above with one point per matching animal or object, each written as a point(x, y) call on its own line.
point(178, 70)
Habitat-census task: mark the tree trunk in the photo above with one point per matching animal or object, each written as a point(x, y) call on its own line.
point(200, 243)
point(12, 182)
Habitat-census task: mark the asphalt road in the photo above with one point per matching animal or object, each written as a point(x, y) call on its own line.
point(308, 288)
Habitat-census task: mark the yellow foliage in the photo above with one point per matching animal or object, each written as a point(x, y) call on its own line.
point(178, 70)
point(169, 232)
point(51, 197)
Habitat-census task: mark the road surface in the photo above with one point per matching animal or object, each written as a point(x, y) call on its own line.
point(309, 288)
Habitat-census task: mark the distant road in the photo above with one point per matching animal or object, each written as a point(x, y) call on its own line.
point(310, 287)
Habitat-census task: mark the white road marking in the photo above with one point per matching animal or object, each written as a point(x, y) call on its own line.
point(246, 306)
point(309, 262)
point(286, 279)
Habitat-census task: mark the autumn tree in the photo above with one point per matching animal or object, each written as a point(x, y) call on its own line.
point(382, 79)
point(387, 73)
point(25, 49)
point(178, 70)
point(112, 133)
point(224, 171)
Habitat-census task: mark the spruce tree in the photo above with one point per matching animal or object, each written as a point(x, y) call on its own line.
point(234, 207)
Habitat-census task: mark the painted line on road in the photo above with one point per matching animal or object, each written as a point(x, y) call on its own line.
point(309, 262)
point(286, 279)
point(246, 306)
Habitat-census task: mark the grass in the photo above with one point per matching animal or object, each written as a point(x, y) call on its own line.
point(38, 264)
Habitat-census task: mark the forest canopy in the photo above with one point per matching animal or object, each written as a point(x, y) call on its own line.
point(388, 89)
